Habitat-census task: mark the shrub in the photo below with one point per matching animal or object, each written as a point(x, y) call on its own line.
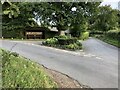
point(97, 32)
point(62, 36)
point(50, 41)
point(79, 43)
point(85, 35)
point(65, 40)
point(62, 41)
point(113, 34)
point(73, 46)
point(49, 34)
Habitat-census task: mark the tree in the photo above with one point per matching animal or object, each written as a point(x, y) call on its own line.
point(10, 9)
point(54, 14)
point(62, 16)
point(82, 17)
point(106, 19)
point(16, 24)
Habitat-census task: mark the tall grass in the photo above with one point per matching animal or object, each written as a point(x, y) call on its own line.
point(18, 72)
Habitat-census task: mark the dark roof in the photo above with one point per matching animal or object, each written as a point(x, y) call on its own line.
point(37, 28)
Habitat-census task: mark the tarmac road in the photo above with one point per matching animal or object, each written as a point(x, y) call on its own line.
point(96, 66)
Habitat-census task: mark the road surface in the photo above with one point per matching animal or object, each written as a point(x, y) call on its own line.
point(96, 66)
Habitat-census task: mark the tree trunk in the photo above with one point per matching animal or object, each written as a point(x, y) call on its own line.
point(61, 32)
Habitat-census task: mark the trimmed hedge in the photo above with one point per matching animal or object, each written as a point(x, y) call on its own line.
point(50, 41)
point(63, 42)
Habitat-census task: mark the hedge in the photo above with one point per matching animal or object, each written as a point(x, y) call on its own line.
point(113, 34)
point(63, 42)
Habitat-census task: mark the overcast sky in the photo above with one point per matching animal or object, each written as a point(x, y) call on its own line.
point(113, 3)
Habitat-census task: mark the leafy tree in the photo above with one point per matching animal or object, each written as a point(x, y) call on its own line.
point(62, 16)
point(54, 14)
point(106, 19)
point(82, 17)
point(10, 9)
point(17, 24)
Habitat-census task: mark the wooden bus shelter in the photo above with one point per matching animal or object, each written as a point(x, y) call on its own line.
point(38, 33)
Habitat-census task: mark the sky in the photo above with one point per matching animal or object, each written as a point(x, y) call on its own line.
point(113, 3)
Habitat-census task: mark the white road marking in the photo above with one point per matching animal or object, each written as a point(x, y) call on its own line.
point(81, 53)
point(98, 58)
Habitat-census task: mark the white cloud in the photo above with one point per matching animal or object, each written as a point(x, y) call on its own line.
point(113, 4)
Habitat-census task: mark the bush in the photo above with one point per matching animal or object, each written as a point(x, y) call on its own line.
point(85, 35)
point(113, 34)
point(50, 41)
point(49, 34)
point(97, 32)
point(79, 43)
point(62, 41)
point(65, 40)
point(62, 37)
point(73, 46)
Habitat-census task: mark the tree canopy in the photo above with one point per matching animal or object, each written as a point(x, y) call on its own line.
point(76, 16)
point(62, 15)
point(106, 19)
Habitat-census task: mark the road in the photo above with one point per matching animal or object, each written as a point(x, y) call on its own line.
point(96, 66)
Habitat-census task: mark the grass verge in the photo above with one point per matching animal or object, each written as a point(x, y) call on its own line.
point(110, 41)
point(18, 72)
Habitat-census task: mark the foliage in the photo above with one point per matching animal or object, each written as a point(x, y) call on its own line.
point(50, 34)
point(51, 41)
point(110, 40)
point(14, 26)
point(78, 43)
point(73, 46)
point(62, 37)
point(106, 19)
point(63, 42)
point(18, 72)
point(87, 15)
point(77, 29)
point(53, 14)
point(14, 32)
point(113, 34)
point(10, 9)
point(112, 37)
point(84, 35)
point(61, 15)
point(95, 32)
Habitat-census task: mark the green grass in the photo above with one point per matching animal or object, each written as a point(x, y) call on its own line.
point(110, 41)
point(18, 72)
